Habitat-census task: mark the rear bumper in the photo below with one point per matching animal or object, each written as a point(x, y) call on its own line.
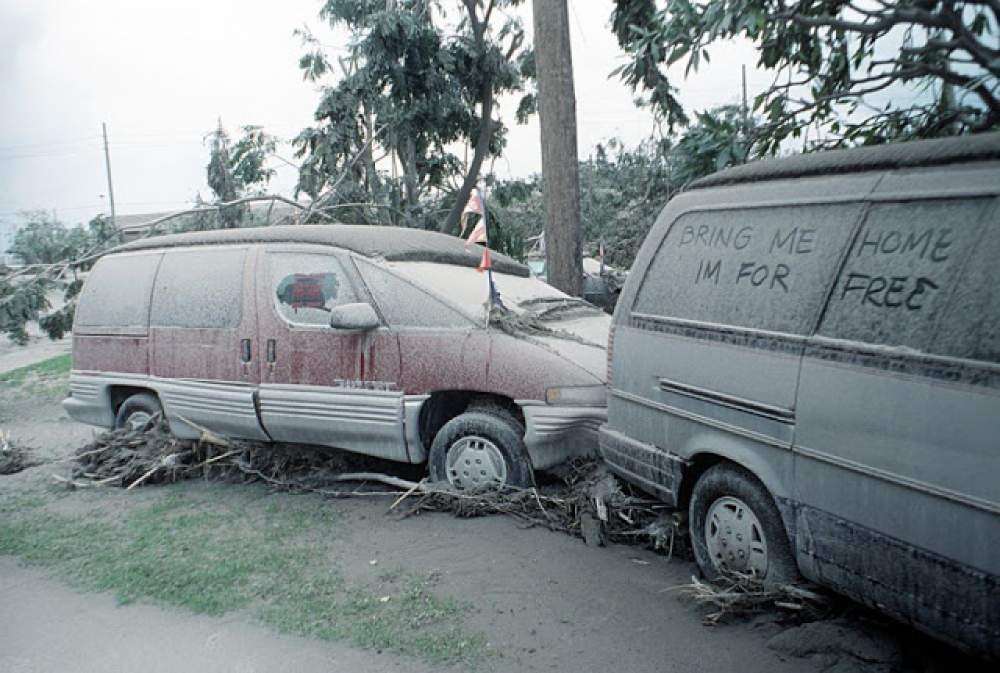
point(554, 434)
point(88, 402)
point(648, 467)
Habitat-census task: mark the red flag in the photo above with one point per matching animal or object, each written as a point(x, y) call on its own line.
point(478, 234)
point(474, 206)
point(485, 263)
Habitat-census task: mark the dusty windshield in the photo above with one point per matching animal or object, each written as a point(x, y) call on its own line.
point(467, 289)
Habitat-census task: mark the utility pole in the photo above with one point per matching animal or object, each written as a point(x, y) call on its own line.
point(746, 112)
point(560, 161)
point(107, 164)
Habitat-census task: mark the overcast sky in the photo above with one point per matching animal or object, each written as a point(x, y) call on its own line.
point(161, 72)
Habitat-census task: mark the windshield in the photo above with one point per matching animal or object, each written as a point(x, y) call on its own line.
point(467, 289)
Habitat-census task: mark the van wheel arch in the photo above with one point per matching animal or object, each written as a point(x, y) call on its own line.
point(444, 405)
point(118, 394)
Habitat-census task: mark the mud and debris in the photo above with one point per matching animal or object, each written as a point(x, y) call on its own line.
point(13, 456)
point(582, 499)
point(742, 596)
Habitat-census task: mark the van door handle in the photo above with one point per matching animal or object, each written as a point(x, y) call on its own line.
point(245, 351)
point(272, 351)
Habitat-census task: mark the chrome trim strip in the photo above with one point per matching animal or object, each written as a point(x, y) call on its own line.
point(698, 418)
point(889, 477)
point(719, 327)
point(779, 414)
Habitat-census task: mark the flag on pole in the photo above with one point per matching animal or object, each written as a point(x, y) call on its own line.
point(486, 262)
point(474, 206)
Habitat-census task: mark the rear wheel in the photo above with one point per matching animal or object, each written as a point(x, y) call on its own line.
point(736, 527)
point(478, 448)
point(137, 411)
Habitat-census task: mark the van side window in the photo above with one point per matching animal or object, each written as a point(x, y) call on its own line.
point(763, 268)
point(901, 272)
point(307, 286)
point(404, 305)
point(199, 288)
point(117, 292)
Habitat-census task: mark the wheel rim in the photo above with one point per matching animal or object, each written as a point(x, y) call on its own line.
point(475, 461)
point(137, 420)
point(734, 537)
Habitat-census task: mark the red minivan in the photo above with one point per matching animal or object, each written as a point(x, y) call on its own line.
point(370, 339)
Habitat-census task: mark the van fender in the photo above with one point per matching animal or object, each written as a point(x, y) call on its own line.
point(772, 465)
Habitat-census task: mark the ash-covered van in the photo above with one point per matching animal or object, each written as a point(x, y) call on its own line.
point(370, 339)
point(806, 357)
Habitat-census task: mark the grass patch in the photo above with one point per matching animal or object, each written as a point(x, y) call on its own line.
point(215, 549)
point(48, 378)
point(57, 366)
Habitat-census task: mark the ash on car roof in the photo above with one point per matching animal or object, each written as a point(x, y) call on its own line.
point(980, 147)
point(394, 244)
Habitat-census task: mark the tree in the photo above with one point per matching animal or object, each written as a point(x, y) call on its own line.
point(557, 113)
point(43, 239)
point(410, 86)
point(836, 63)
point(52, 254)
point(234, 170)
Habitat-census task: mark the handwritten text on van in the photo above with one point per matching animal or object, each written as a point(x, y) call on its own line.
point(793, 241)
point(910, 291)
point(931, 244)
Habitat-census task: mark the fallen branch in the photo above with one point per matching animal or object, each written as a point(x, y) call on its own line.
point(740, 595)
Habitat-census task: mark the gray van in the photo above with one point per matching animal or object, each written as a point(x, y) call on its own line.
point(806, 357)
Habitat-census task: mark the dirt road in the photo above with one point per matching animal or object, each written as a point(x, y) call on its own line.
point(542, 601)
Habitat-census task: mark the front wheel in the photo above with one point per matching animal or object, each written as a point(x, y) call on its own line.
point(478, 448)
point(736, 527)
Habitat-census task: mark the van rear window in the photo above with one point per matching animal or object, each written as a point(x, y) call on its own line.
point(116, 294)
point(901, 274)
point(764, 268)
point(199, 288)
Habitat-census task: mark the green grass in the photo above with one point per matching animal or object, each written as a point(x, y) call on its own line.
point(216, 549)
point(48, 379)
point(54, 367)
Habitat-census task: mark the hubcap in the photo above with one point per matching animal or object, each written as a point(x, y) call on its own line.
point(735, 538)
point(474, 461)
point(137, 420)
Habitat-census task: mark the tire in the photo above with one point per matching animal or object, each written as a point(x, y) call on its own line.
point(476, 448)
point(744, 520)
point(137, 410)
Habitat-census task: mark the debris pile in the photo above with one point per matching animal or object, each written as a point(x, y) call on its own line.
point(14, 457)
point(738, 595)
point(131, 457)
point(585, 500)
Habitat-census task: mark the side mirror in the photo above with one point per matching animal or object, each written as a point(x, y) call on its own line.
point(358, 317)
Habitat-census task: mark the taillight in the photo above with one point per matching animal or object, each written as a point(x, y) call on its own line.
point(611, 348)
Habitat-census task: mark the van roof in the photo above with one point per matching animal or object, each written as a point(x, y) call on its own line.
point(979, 147)
point(397, 244)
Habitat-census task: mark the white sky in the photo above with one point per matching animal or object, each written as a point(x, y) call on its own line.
point(161, 72)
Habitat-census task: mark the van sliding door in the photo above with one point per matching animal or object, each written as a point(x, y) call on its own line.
point(202, 327)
